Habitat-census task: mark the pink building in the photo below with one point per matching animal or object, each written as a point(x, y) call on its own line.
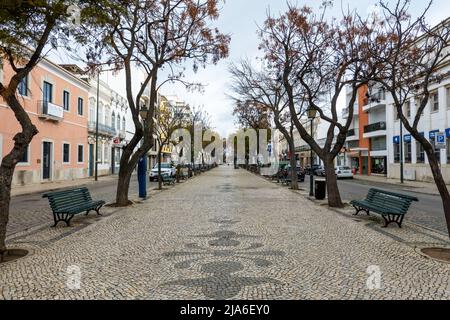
point(57, 103)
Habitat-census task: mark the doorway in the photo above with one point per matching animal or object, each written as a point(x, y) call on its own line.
point(46, 160)
point(91, 160)
point(113, 161)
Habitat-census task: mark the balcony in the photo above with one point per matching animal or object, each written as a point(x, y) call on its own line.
point(375, 130)
point(102, 129)
point(374, 103)
point(50, 111)
point(353, 135)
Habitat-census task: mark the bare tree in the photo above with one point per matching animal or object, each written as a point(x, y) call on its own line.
point(317, 59)
point(413, 58)
point(263, 92)
point(26, 31)
point(153, 35)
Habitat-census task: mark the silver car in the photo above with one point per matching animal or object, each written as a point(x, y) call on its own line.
point(166, 169)
point(344, 172)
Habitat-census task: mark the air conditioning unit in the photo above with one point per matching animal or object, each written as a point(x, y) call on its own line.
point(410, 174)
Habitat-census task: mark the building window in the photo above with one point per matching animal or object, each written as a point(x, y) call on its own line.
point(118, 122)
point(408, 152)
point(23, 86)
point(91, 111)
point(47, 92)
point(396, 153)
point(378, 144)
point(99, 153)
point(66, 100)
point(434, 101)
point(80, 106)
point(407, 111)
point(123, 124)
point(396, 117)
point(80, 153)
point(113, 120)
point(448, 97)
point(106, 152)
point(25, 157)
point(66, 153)
point(420, 153)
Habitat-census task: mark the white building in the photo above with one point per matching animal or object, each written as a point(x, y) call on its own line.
point(435, 119)
point(112, 123)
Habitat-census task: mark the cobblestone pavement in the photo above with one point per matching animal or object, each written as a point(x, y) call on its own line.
point(227, 234)
point(30, 211)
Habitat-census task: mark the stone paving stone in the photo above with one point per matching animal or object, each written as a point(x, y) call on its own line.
point(227, 234)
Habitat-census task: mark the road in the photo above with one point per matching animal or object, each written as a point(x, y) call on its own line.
point(31, 210)
point(427, 212)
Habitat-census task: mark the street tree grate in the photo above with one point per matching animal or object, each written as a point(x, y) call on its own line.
point(13, 254)
point(440, 254)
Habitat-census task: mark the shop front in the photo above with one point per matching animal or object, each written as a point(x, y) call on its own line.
point(379, 166)
point(359, 160)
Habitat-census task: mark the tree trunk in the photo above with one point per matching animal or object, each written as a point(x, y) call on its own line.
point(9, 162)
point(440, 183)
point(294, 181)
point(334, 197)
point(123, 185)
point(128, 163)
point(5, 197)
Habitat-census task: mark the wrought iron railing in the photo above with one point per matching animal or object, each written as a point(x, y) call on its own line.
point(102, 129)
point(375, 127)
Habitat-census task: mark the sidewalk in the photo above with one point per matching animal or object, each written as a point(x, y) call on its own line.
point(412, 186)
point(54, 185)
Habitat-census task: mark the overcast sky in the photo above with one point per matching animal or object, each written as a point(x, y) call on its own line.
point(240, 19)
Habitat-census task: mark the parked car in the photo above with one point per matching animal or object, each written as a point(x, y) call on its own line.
point(166, 168)
point(320, 172)
point(300, 172)
point(308, 169)
point(344, 172)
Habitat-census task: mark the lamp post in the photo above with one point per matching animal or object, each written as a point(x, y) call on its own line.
point(402, 177)
point(311, 116)
point(96, 128)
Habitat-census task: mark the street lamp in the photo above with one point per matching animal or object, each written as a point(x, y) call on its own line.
point(96, 126)
point(312, 113)
point(143, 112)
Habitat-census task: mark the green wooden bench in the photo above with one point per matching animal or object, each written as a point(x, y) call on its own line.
point(167, 180)
point(66, 204)
point(391, 206)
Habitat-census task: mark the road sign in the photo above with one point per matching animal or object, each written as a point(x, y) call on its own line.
point(440, 140)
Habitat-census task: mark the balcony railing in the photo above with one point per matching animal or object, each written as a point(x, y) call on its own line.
point(102, 129)
point(379, 126)
point(50, 111)
point(352, 132)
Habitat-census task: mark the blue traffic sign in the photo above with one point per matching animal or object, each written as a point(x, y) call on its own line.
point(440, 138)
